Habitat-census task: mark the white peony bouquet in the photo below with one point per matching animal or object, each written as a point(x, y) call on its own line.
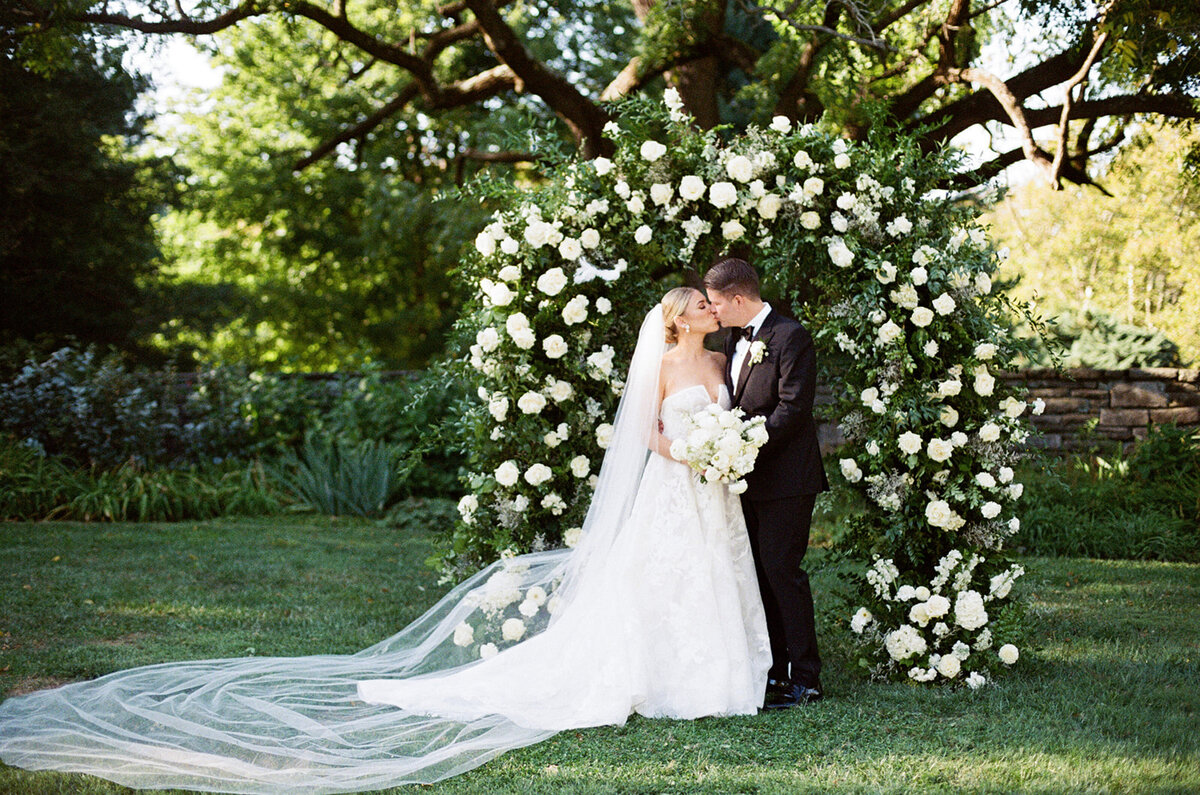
point(721, 445)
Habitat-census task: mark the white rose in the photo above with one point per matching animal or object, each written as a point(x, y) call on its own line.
point(949, 666)
point(888, 332)
point(635, 205)
point(487, 651)
point(938, 513)
point(841, 161)
point(528, 609)
point(986, 480)
point(589, 238)
point(948, 416)
point(570, 249)
point(984, 384)
point(740, 168)
point(850, 470)
point(603, 306)
point(1016, 490)
point(922, 316)
point(949, 388)
point(488, 339)
point(944, 304)
point(919, 276)
point(768, 206)
point(561, 391)
point(810, 220)
point(575, 311)
point(937, 606)
point(512, 629)
point(691, 188)
point(1039, 406)
point(781, 124)
point(642, 235)
point(939, 449)
point(464, 634)
point(507, 474)
point(969, 611)
point(840, 253)
point(538, 474)
point(603, 165)
point(604, 433)
point(983, 283)
point(990, 432)
point(531, 403)
point(660, 193)
point(552, 281)
point(508, 246)
point(732, 230)
point(498, 407)
point(571, 538)
point(802, 160)
point(814, 186)
point(652, 150)
point(621, 189)
point(976, 680)
point(510, 273)
point(985, 351)
point(485, 243)
point(538, 233)
point(862, 617)
point(910, 443)
point(580, 466)
point(722, 195)
point(930, 349)
point(1008, 654)
point(554, 346)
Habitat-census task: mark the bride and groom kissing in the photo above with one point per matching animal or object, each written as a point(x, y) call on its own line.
point(682, 600)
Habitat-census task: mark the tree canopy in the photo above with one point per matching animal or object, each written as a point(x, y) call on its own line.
point(1088, 72)
point(1134, 255)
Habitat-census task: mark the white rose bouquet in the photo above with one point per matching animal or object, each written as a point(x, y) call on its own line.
point(721, 445)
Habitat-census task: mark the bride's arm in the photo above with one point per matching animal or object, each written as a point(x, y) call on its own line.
point(659, 443)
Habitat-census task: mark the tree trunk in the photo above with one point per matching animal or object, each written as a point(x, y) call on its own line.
point(696, 81)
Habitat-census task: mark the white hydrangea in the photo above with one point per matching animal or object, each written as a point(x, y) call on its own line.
point(969, 611)
point(1008, 654)
point(464, 634)
point(904, 643)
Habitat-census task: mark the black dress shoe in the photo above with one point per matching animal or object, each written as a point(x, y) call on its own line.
point(791, 695)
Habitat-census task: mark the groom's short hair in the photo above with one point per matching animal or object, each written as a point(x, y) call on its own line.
point(732, 276)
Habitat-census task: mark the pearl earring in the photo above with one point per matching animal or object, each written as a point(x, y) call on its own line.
point(686, 327)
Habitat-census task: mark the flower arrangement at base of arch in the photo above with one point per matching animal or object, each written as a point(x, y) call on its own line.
point(891, 273)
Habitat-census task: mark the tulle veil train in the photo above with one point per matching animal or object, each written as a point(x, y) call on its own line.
point(298, 724)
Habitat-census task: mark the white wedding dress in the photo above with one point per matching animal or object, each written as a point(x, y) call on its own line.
point(658, 613)
point(671, 625)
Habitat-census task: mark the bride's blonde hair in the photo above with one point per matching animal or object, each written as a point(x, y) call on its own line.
point(674, 304)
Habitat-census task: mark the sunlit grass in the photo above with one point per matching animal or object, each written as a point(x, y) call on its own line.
point(1105, 698)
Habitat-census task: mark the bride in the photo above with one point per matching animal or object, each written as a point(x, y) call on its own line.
point(656, 612)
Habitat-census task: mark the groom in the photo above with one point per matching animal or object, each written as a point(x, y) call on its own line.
point(771, 372)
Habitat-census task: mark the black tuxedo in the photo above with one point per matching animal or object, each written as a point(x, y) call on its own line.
point(782, 489)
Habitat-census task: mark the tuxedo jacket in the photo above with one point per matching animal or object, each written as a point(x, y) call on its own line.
point(781, 388)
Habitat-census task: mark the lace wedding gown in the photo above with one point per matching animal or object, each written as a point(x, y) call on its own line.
point(660, 616)
point(671, 625)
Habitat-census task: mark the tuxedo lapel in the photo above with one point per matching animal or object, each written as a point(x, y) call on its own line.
point(744, 374)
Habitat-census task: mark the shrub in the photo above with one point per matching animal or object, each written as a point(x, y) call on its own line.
point(1144, 506)
point(1096, 339)
point(337, 476)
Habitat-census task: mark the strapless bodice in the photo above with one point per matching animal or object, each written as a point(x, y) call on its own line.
point(677, 406)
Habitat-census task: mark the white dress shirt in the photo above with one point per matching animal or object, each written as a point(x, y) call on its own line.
point(743, 345)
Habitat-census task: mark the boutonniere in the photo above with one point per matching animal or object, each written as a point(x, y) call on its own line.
point(758, 351)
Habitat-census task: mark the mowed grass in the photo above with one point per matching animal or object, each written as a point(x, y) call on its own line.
point(1104, 699)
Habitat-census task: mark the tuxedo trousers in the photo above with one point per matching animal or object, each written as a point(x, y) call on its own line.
point(778, 532)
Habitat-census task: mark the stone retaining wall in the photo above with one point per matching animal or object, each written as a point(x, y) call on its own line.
point(1083, 405)
point(1119, 405)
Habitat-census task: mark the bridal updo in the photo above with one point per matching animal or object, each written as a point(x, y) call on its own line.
point(674, 304)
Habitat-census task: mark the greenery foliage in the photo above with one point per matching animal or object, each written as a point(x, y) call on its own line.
point(34, 486)
point(82, 601)
point(894, 279)
point(1141, 505)
point(76, 241)
point(93, 411)
point(338, 477)
point(1099, 340)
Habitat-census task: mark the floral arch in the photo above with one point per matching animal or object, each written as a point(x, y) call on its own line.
point(909, 331)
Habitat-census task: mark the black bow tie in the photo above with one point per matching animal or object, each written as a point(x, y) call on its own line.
point(744, 333)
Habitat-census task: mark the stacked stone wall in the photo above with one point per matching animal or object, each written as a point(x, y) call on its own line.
point(1084, 406)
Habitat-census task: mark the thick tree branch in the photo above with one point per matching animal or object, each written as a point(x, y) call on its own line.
point(200, 27)
point(1078, 79)
point(584, 117)
point(1172, 105)
point(946, 34)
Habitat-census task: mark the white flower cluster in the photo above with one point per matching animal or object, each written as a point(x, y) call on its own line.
point(721, 445)
point(934, 630)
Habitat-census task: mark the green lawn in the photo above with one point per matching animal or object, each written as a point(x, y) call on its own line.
point(1105, 697)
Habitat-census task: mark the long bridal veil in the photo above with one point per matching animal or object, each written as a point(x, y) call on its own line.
point(298, 724)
